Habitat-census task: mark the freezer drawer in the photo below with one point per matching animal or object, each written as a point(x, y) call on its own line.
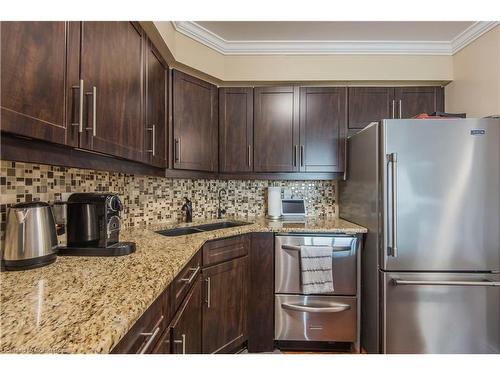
point(315, 318)
point(344, 259)
point(441, 313)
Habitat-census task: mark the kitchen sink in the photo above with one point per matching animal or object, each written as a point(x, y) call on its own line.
point(200, 228)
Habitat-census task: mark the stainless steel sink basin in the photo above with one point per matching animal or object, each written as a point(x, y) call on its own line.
point(200, 228)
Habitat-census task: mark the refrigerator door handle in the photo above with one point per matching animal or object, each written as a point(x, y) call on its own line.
point(393, 160)
point(397, 282)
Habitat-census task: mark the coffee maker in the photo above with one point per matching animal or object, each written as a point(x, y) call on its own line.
point(93, 226)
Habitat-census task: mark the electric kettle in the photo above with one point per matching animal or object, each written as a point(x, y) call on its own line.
point(30, 236)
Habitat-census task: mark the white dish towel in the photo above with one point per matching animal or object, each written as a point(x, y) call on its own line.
point(316, 269)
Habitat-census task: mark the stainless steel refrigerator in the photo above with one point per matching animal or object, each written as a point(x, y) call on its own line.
point(429, 193)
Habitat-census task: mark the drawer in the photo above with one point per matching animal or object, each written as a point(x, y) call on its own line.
point(145, 333)
point(228, 248)
point(345, 251)
point(315, 318)
point(184, 281)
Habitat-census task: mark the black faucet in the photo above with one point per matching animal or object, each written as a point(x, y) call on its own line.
point(188, 207)
point(220, 211)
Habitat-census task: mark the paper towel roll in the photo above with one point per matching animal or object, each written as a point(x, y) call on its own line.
point(274, 202)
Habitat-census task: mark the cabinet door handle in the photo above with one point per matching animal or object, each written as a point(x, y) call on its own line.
point(152, 129)
point(80, 109)
point(295, 155)
point(177, 150)
point(393, 108)
point(183, 342)
point(207, 280)
point(400, 109)
point(301, 155)
point(94, 111)
point(152, 336)
point(249, 155)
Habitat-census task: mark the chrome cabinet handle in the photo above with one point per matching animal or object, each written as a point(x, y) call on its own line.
point(249, 155)
point(393, 108)
point(183, 342)
point(190, 279)
point(295, 151)
point(297, 248)
point(94, 111)
point(445, 283)
point(177, 150)
point(400, 109)
point(301, 155)
point(331, 308)
point(207, 280)
point(393, 160)
point(80, 109)
point(152, 336)
point(152, 129)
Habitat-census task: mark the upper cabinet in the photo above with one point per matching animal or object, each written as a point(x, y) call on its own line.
point(276, 129)
point(156, 105)
point(35, 87)
point(411, 101)
point(236, 129)
point(322, 129)
point(369, 104)
point(112, 77)
point(194, 123)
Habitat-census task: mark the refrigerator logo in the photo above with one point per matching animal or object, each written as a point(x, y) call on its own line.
point(477, 132)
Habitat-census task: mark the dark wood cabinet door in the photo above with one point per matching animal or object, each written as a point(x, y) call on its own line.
point(370, 104)
point(163, 346)
point(225, 306)
point(235, 129)
point(261, 293)
point(186, 325)
point(112, 71)
point(195, 123)
point(276, 129)
point(36, 80)
point(323, 127)
point(411, 101)
point(156, 108)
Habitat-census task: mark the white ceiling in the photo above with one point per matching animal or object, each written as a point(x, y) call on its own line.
point(354, 37)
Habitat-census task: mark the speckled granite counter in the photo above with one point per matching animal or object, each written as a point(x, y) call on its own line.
point(86, 305)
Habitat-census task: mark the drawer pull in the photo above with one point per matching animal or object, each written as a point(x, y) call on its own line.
point(183, 342)
point(331, 308)
point(189, 280)
point(152, 336)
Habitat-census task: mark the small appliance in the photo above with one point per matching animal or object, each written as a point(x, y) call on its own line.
point(273, 202)
point(93, 226)
point(30, 238)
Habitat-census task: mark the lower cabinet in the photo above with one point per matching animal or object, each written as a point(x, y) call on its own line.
point(186, 325)
point(225, 306)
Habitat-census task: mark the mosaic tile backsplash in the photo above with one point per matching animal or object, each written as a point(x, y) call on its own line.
point(149, 200)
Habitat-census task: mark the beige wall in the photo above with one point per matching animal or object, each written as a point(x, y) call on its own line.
point(262, 68)
point(476, 83)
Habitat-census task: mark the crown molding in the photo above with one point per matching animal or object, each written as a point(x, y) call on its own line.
point(471, 34)
point(386, 47)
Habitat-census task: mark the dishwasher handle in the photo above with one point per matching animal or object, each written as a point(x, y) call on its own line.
point(330, 308)
point(334, 248)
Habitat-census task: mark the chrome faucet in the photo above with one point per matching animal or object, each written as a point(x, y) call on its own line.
point(188, 207)
point(220, 211)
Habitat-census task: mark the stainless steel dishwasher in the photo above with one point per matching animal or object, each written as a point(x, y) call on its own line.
point(325, 318)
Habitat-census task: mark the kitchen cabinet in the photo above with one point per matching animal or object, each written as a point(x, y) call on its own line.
point(235, 129)
point(186, 325)
point(411, 101)
point(276, 129)
point(194, 123)
point(39, 64)
point(112, 75)
point(225, 306)
point(156, 107)
point(323, 128)
point(370, 104)
point(261, 293)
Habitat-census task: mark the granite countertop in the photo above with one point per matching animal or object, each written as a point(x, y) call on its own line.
point(87, 304)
